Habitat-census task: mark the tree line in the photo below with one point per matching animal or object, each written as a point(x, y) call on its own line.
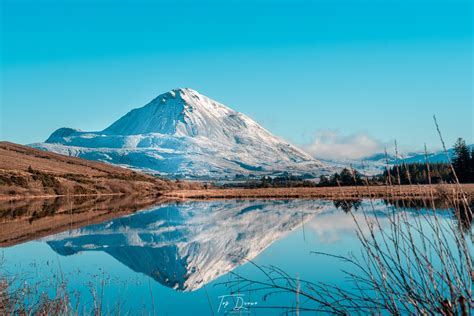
point(462, 162)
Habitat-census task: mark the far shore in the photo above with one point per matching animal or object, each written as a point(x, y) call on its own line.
point(331, 193)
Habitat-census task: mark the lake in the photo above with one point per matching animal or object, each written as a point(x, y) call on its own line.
point(182, 258)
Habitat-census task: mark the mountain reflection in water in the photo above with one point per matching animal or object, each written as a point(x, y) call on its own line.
point(184, 246)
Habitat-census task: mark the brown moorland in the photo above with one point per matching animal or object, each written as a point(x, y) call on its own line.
point(26, 171)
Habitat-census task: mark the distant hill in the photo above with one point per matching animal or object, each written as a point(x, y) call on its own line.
point(377, 163)
point(31, 172)
point(437, 156)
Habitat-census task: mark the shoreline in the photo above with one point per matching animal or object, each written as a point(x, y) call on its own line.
point(330, 193)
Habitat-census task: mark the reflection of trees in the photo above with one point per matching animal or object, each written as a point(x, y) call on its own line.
point(464, 216)
point(419, 204)
point(347, 205)
point(461, 211)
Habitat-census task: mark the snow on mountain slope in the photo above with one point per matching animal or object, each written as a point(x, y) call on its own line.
point(185, 246)
point(183, 133)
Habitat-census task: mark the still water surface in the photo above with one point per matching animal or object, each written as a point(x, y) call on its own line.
point(174, 259)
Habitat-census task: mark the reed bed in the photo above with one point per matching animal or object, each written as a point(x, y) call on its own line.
point(418, 265)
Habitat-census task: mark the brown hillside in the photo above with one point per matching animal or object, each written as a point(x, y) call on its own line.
point(26, 171)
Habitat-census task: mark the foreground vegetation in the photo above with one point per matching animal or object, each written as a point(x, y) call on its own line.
point(418, 265)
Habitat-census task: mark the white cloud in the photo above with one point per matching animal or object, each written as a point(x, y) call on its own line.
point(330, 144)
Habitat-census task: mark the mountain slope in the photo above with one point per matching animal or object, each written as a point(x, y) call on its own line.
point(185, 134)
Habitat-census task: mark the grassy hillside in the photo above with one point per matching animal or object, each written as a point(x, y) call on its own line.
point(25, 171)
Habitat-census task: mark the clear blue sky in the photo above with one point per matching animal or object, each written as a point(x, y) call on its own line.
point(381, 67)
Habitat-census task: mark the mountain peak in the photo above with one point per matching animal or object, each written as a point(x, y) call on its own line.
point(185, 91)
point(181, 97)
point(179, 93)
point(179, 112)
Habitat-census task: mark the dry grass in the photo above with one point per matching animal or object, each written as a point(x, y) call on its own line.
point(20, 296)
point(350, 192)
point(415, 266)
point(27, 172)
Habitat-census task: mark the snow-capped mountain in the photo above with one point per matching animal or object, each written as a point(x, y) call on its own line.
point(183, 133)
point(185, 246)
